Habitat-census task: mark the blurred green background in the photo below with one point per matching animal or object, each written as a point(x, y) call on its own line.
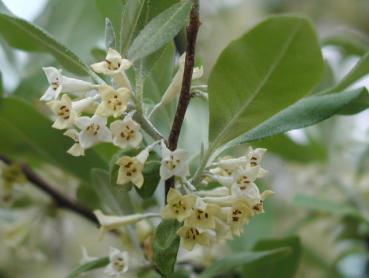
point(319, 174)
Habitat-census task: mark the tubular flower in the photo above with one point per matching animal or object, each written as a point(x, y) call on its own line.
point(65, 115)
point(255, 157)
point(204, 216)
point(229, 164)
point(113, 63)
point(173, 163)
point(110, 222)
point(67, 111)
point(114, 102)
point(226, 168)
point(216, 192)
point(175, 86)
point(192, 236)
point(245, 177)
point(118, 263)
point(126, 132)
point(59, 83)
point(76, 149)
point(239, 215)
point(258, 207)
point(93, 131)
point(131, 168)
point(179, 206)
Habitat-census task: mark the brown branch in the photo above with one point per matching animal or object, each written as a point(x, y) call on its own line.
point(185, 95)
point(60, 200)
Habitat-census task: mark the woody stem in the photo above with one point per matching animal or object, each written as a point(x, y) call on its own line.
point(185, 94)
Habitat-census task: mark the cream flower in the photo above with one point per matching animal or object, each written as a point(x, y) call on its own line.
point(229, 164)
point(216, 192)
point(255, 157)
point(173, 163)
point(93, 131)
point(131, 168)
point(258, 207)
point(65, 115)
point(111, 222)
point(114, 102)
point(59, 83)
point(239, 215)
point(113, 63)
point(222, 230)
point(226, 181)
point(204, 216)
point(76, 149)
point(251, 193)
point(67, 111)
point(179, 206)
point(244, 177)
point(126, 132)
point(175, 86)
point(118, 263)
point(192, 236)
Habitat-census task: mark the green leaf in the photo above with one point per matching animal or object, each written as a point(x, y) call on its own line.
point(24, 130)
point(98, 54)
point(306, 112)
point(324, 205)
point(160, 68)
point(132, 22)
point(114, 199)
point(286, 148)
point(359, 71)
point(286, 267)
point(110, 37)
point(111, 9)
point(69, 27)
point(87, 196)
point(165, 246)
point(269, 68)
point(327, 80)
point(26, 36)
point(99, 263)
point(234, 261)
point(157, 71)
point(136, 14)
point(159, 31)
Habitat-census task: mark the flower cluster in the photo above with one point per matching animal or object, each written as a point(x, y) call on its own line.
point(220, 213)
point(94, 113)
point(85, 117)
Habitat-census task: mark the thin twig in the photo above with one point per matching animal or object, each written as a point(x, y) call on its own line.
point(61, 200)
point(185, 95)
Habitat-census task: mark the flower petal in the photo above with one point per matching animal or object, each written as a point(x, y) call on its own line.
point(86, 140)
point(83, 122)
